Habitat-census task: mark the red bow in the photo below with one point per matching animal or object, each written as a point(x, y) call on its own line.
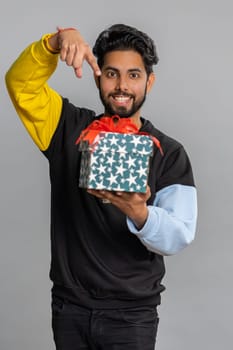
point(113, 124)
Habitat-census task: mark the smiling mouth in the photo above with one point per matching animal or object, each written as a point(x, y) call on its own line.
point(121, 99)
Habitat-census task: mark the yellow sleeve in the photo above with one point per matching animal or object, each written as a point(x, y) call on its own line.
point(38, 105)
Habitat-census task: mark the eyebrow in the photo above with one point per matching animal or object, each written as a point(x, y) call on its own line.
point(117, 70)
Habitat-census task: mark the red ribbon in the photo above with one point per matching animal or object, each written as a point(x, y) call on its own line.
point(113, 124)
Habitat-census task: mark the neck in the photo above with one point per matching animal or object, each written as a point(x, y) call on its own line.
point(137, 121)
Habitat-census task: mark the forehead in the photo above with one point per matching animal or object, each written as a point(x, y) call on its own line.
point(123, 59)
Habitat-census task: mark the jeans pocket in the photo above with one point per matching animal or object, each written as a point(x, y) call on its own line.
point(142, 316)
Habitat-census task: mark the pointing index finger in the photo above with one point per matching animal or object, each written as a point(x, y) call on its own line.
point(93, 63)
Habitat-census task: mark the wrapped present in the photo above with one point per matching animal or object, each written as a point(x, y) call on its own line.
point(114, 161)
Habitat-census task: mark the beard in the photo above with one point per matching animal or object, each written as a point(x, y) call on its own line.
point(121, 111)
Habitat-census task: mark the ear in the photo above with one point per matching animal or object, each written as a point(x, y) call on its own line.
point(150, 81)
point(97, 81)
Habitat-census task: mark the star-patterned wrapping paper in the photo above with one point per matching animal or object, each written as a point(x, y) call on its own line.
point(116, 162)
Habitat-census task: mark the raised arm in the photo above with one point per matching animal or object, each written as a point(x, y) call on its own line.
point(37, 104)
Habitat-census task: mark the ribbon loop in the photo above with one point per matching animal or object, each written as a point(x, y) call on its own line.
point(113, 124)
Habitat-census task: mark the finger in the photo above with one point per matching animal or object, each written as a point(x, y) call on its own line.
point(78, 72)
point(108, 196)
point(81, 54)
point(119, 193)
point(64, 50)
point(59, 28)
point(90, 58)
point(70, 55)
point(68, 52)
point(148, 192)
point(96, 193)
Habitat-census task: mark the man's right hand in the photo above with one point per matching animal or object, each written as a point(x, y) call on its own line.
point(74, 50)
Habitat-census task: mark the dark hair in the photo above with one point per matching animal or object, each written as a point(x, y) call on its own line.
point(124, 37)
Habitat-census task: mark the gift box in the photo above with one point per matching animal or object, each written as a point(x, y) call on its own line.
point(115, 162)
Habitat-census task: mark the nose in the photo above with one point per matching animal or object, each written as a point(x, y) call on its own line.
point(122, 84)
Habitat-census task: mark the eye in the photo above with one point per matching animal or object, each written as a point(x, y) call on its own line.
point(134, 75)
point(111, 74)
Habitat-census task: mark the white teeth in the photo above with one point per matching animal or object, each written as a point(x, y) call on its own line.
point(121, 98)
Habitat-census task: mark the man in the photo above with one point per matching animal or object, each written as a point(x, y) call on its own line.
point(107, 259)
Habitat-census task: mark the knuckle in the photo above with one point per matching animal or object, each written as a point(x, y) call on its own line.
point(72, 47)
point(87, 46)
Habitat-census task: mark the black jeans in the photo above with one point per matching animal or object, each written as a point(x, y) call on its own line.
point(76, 327)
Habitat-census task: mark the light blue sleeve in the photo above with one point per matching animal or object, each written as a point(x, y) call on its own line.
point(171, 222)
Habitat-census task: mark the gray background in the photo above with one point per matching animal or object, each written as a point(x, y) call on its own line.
point(191, 101)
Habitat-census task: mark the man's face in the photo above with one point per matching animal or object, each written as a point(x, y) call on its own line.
point(124, 83)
